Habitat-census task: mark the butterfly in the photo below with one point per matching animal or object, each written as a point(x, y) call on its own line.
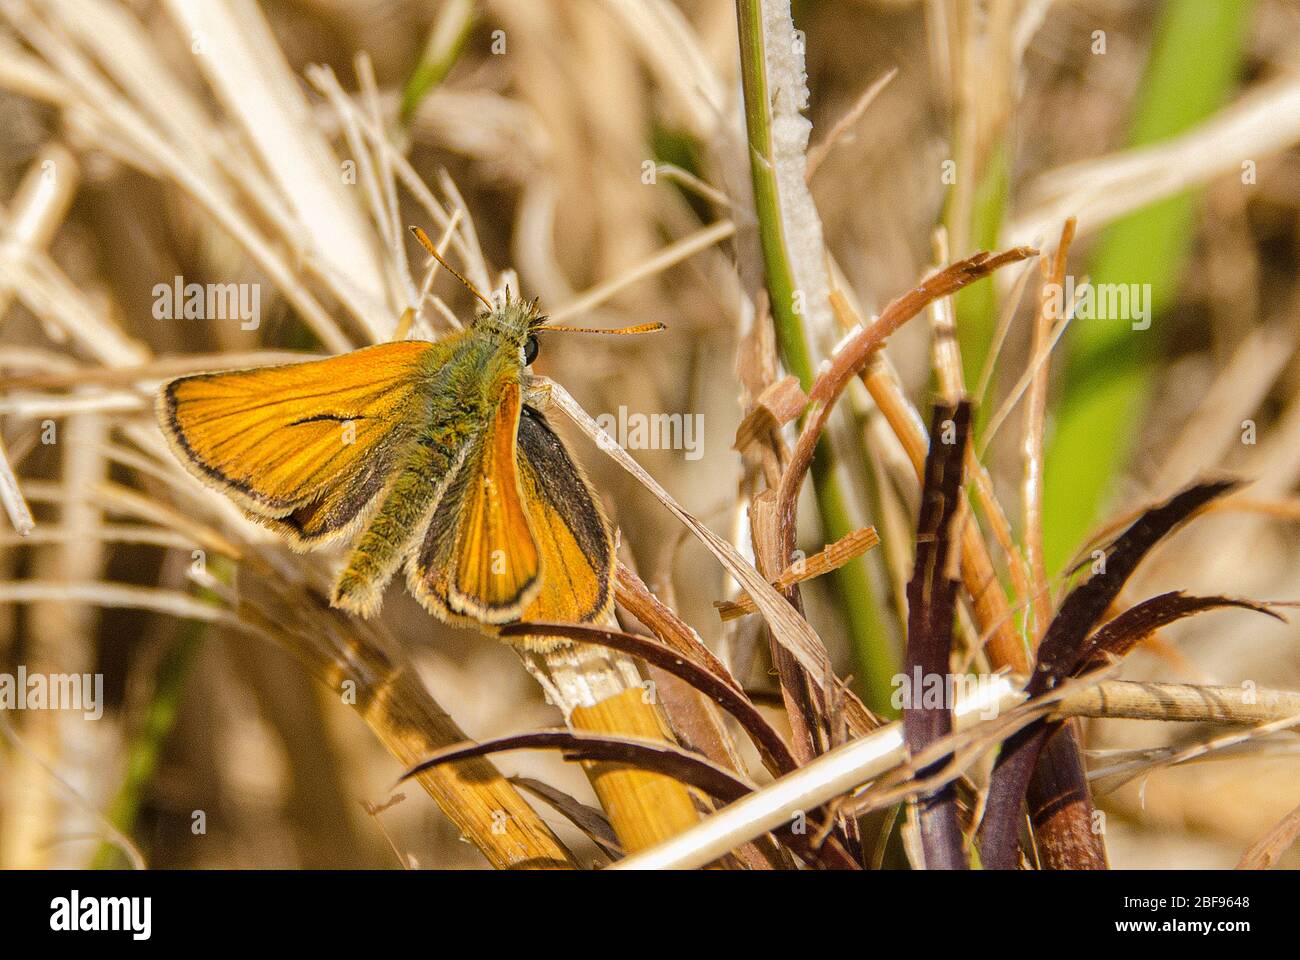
point(428, 456)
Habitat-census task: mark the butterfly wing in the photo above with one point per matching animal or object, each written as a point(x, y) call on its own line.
point(570, 536)
point(479, 558)
point(573, 536)
point(304, 448)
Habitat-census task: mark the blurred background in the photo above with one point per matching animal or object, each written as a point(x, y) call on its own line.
point(571, 144)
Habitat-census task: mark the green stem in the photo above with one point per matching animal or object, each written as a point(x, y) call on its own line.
point(874, 649)
point(767, 202)
point(446, 43)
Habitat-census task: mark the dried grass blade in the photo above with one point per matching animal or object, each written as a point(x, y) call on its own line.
point(791, 630)
point(11, 495)
point(824, 561)
point(825, 778)
point(1035, 417)
point(777, 405)
point(636, 598)
point(1265, 851)
point(589, 820)
point(856, 351)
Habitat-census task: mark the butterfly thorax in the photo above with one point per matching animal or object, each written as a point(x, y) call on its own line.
point(476, 364)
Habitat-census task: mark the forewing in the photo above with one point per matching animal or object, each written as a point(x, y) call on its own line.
point(303, 447)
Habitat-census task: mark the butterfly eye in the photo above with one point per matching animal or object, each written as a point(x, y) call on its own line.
point(530, 349)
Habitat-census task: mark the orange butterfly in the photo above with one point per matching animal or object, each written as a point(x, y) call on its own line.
point(428, 454)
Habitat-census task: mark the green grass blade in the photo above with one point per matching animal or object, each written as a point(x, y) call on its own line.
point(1108, 374)
point(446, 42)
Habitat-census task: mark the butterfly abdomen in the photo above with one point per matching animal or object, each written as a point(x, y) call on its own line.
point(402, 514)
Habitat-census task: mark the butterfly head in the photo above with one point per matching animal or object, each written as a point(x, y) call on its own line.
point(512, 323)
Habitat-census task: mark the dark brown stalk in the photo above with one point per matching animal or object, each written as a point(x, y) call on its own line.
point(931, 595)
point(1058, 797)
point(1131, 627)
point(659, 756)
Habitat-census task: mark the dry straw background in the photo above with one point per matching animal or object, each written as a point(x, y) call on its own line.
point(264, 143)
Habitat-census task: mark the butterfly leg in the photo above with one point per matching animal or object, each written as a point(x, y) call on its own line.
point(537, 393)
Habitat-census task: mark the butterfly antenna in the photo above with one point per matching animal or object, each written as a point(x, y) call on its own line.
point(621, 331)
point(433, 252)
